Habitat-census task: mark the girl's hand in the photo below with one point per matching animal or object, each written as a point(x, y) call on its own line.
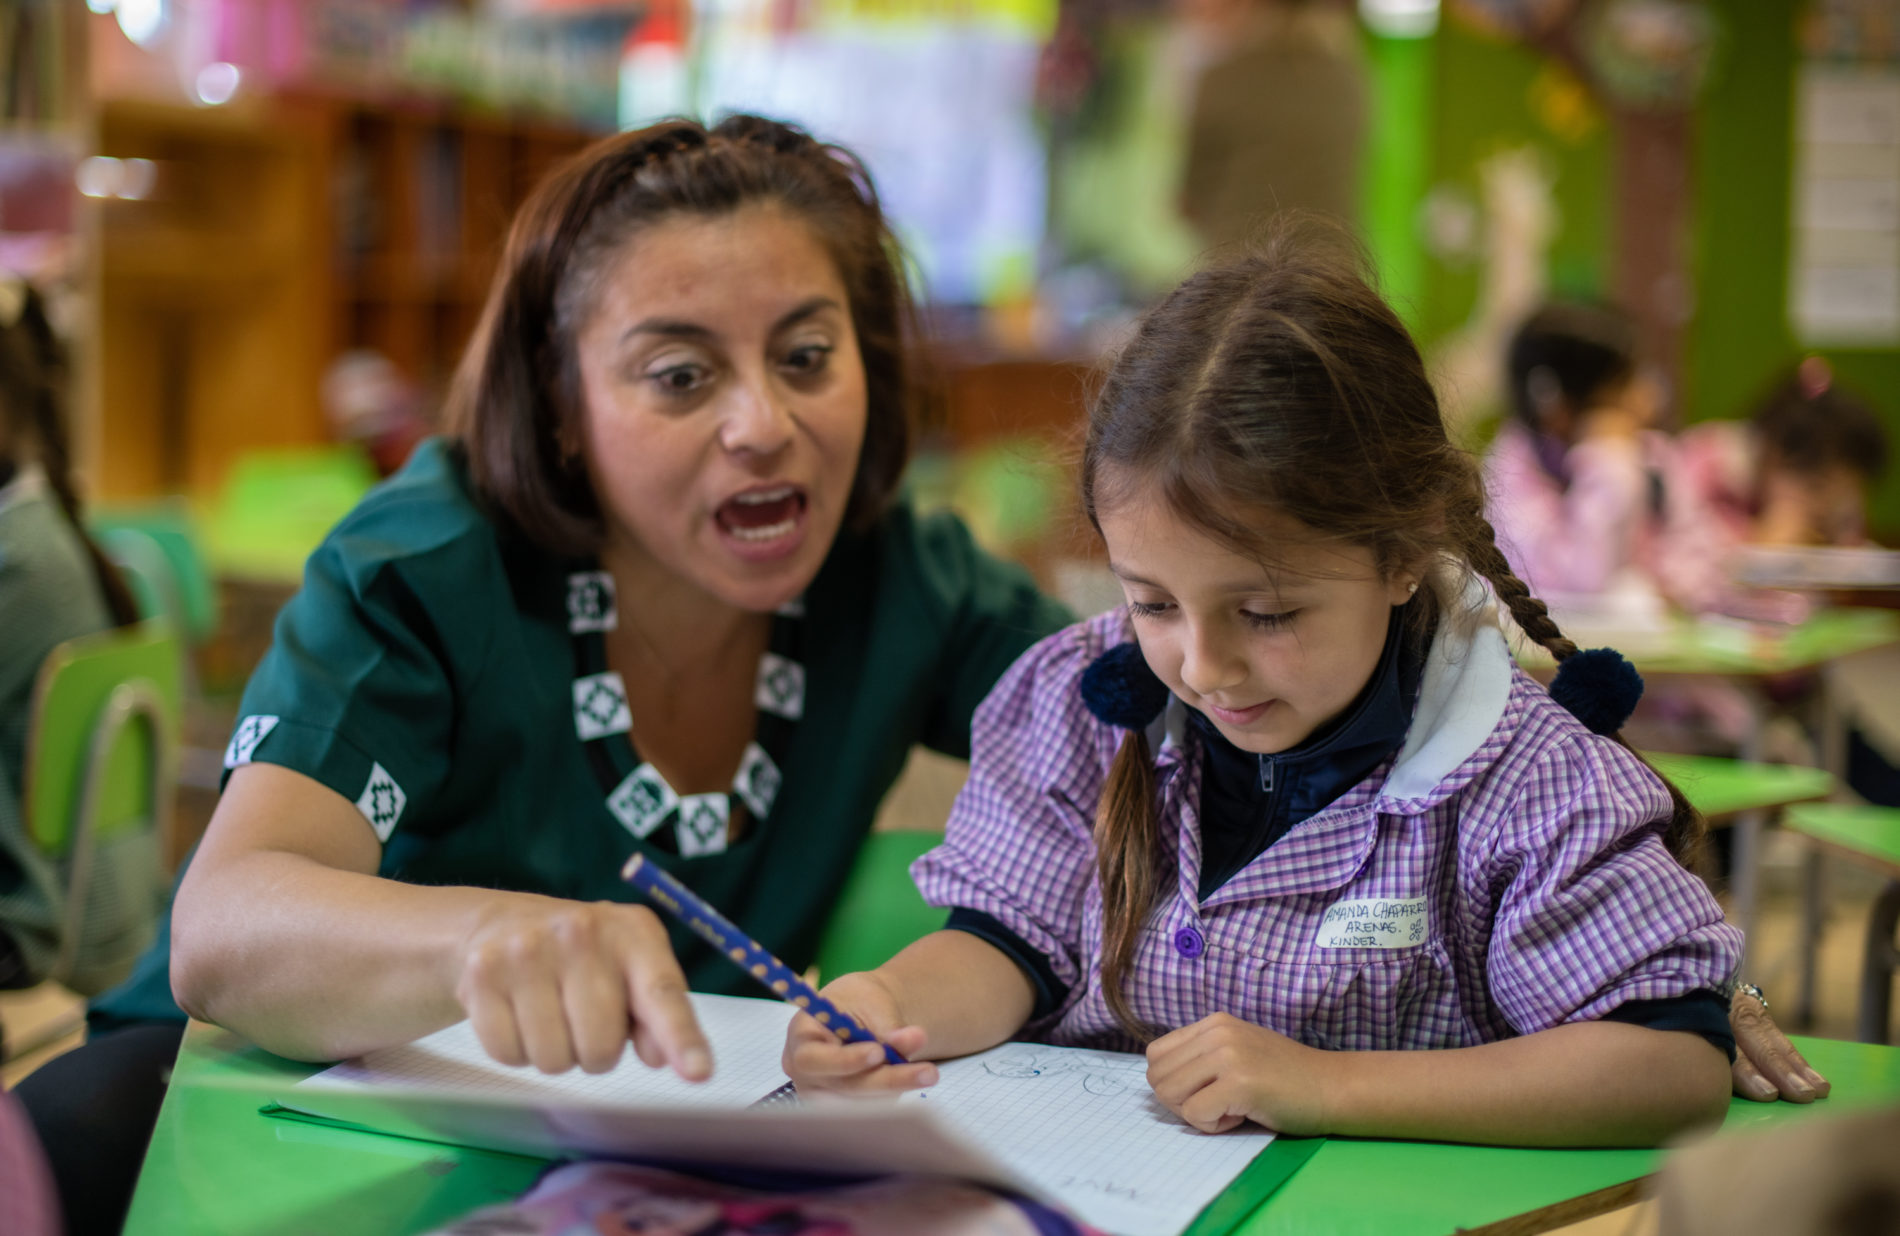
point(559, 983)
point(1221, 1071)
point(818, 1063)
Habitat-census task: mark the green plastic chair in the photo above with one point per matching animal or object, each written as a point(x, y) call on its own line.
point(146, 570)
point(100, 771)
point(161, 540)
point(879, 912)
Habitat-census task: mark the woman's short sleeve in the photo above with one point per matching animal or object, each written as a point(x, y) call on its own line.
point(358, 689)
point(991, 612)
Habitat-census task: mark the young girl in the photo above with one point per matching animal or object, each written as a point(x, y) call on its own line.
point(1574, 473)
point(1294, 820)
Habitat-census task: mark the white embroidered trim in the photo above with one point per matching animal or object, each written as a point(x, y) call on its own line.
point(250, 732)
point(642, 801)
point(600, 706)
point(781, 686)
point(701, 828)
point(590, 602)
point(382, 802)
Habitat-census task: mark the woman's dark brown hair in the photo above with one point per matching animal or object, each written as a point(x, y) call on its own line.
point(33, 384)
point(516, 395)
point(1281, 381)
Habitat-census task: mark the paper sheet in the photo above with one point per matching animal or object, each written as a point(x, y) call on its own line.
point(747, 1037)
point(1084, 1127)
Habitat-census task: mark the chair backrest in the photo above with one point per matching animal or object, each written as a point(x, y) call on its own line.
point(147, 571)
point(100, 772)
point(142, 537)
point(879, 912)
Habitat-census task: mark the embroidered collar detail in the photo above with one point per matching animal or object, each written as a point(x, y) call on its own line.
point(690, 825)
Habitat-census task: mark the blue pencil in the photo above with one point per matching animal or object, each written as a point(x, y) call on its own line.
point(720, 932)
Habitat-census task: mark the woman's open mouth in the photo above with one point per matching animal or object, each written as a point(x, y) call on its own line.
point(767, 519)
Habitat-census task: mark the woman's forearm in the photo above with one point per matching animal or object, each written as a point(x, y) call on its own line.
point(967, 994)
point(318, 963)
point(1588, 1084)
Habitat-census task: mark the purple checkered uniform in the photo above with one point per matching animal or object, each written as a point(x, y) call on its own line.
point(1503, 873)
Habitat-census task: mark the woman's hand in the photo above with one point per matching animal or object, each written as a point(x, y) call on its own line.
point(1221, 1071)
point(1767, 1066)
point(818, 1063)
point(558, 983)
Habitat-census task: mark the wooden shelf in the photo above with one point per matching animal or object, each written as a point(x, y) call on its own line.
point(282, 234)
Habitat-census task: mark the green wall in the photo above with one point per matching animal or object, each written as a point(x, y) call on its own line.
point(1740, 341)
point(1484, 105)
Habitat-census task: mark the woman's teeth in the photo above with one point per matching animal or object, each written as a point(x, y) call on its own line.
point(766, 533)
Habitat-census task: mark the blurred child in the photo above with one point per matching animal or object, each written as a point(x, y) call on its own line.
point(27, 1204)
point(1294, 820)
point(1574, 473)
point(54, 585)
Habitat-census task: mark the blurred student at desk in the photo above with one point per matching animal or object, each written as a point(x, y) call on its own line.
point(55, 584)
point(1574, 473)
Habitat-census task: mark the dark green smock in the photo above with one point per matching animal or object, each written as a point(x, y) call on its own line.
point(432, 640)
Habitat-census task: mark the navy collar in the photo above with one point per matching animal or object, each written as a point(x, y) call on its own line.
point(1249, 801)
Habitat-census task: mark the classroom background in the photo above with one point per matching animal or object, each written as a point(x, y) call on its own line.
point(264, 229)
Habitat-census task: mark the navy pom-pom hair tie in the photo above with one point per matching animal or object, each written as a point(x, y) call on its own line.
point(1598, 687)
point(1120, 689)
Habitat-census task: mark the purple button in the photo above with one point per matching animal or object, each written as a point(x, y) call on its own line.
point(1188, 943)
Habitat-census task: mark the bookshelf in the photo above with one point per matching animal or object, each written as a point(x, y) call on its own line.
point(278, 236)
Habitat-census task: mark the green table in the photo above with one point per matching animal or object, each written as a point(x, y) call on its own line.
point(216, 1166)
point(1722, 789)
point(1869, 837)
point(1748, 654)
point(1718, 647)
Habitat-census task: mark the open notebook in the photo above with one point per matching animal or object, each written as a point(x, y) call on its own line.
point(1079, 1129)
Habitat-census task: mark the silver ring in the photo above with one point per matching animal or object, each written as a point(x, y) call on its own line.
point(1752, 990)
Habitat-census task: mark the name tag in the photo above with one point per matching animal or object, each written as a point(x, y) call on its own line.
point(1374, 922)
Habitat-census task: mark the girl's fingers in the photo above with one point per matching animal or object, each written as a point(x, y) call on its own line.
point(1177, 1076)
point(906, 1041)
point(1209, 1110)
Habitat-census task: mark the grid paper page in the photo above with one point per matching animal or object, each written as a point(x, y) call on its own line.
point(747, 1037)
point(1085, 1127)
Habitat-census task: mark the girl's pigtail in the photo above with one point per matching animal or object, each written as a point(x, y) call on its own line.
point(1127, 838)
point(33, 352)
point(1686, 829)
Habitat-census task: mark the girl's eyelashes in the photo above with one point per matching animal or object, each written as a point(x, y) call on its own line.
point(1270, 622)
point(1265, 622)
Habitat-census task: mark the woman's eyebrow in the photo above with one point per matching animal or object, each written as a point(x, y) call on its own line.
point(674, 328)
point(816, 305)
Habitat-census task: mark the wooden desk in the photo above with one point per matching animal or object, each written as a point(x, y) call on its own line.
point(215, 1166)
